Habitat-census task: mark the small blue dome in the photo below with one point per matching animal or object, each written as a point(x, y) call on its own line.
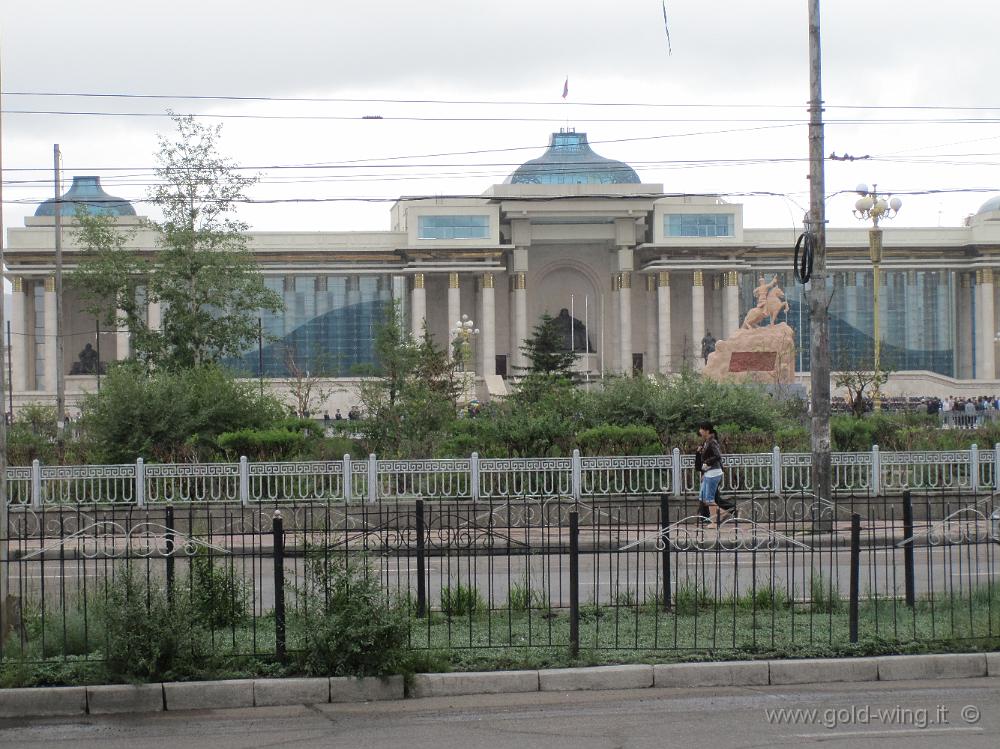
point(993, 204)
point(569, 160)
point(87, 194)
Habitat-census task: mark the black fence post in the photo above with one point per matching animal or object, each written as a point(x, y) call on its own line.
point(279, 586)
point(665, 554)
point(169, 522)
point(421, 563)
point(855, 573)
point(908, 549)
point(574, 584)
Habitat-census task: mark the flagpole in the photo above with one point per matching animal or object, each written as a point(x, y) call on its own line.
point(572, 324)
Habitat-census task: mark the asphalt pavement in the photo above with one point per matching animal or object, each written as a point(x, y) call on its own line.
point(958, 714)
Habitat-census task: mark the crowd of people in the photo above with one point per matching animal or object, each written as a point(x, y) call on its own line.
point(954, 410)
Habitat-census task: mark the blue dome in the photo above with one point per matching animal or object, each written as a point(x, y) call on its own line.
point(569, 160)
point(993, 204)
point(88, 195)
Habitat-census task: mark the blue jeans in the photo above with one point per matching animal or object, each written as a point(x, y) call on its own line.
point(709, 486)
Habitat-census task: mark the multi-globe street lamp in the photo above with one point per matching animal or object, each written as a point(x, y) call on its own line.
point(462, 334)
point(874, 207)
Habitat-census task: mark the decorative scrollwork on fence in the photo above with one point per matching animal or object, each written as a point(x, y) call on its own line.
point(967, 525)
point(113, 540)
point(735, 534)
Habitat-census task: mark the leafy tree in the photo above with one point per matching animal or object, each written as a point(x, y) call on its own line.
point(170, 416)
point(861, 380)
point(546, 351)
point(410, 401)
point(202, 274)
point(308, 382)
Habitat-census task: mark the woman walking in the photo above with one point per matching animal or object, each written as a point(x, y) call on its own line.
point(708, 460)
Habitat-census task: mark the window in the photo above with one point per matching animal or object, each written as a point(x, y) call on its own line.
point(453, 227)
point(698, 225)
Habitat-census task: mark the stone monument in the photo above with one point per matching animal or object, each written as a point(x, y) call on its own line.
point(758, 352)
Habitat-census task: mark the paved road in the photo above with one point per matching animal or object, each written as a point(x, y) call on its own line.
point(603, 577)
point(914, 715)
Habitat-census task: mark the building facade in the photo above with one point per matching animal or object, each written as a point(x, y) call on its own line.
point(644, 276)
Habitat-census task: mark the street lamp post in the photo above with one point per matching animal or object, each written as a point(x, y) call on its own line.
point(461, 337)
point(872, 206)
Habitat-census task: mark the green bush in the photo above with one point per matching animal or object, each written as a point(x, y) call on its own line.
point(824, 597)
point(218, 596)
point(147, 637)
point(171, 416)
point(351, 628)
point(609, 439)
point(309, 427)
point(262, 444)
point(461, 600)
point(525, 597)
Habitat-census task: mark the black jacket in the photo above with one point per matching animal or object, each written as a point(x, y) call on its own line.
point(708, 456)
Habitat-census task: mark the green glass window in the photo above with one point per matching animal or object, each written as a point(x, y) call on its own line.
point(698, 224)
point(453, 227)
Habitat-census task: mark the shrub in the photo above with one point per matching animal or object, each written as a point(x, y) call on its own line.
point(524, 597)
point(146, 636)
point(218, 596)
point(171, 416)
point(461, 600)
point(352, 628)
point(823, 595)
point(688, 598)
point(262, 444)
point(609, 439)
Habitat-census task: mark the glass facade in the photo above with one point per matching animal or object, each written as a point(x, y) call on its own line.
point(698, 224)
point(327, 327)
point(916, 318)
point(453, 227)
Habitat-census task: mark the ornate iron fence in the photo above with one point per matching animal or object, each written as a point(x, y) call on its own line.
point(515, 572)
point(577, 477)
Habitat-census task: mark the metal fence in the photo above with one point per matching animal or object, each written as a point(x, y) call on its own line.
point(521, 571)
point(577, 478)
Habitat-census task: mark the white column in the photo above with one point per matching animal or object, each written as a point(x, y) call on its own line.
point(454, 309)
point(650, 362)
point(353, 289)
point(964, 345)
point(154, 316)
point(487, 325)
point(625, 322)
point(697, 317)
point(663, 319)
point(625, 309)
point(122, 338)
point(520, 333)
point(732, 292)
point(50, 335)
point(18, 337)
point(987, 331)
point(418, 306)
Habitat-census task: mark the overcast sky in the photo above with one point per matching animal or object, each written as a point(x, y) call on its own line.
point(729, 116)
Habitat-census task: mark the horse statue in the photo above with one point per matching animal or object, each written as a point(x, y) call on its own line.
point(774, 304)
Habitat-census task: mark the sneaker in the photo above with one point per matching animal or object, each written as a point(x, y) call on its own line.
point(706, 522)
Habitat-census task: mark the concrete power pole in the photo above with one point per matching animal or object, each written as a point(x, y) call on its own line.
point(4, 528)
point(60, 378)
point(819, 291)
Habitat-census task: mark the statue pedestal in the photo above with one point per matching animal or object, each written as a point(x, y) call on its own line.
point(765, 355)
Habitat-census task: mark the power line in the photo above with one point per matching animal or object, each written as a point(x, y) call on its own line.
point(494, 102)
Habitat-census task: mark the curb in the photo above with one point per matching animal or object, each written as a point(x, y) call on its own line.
point(175, 696)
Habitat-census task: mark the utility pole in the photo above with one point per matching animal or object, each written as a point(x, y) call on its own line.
point(820, 292)
point(4, 525)
point(60, 379)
